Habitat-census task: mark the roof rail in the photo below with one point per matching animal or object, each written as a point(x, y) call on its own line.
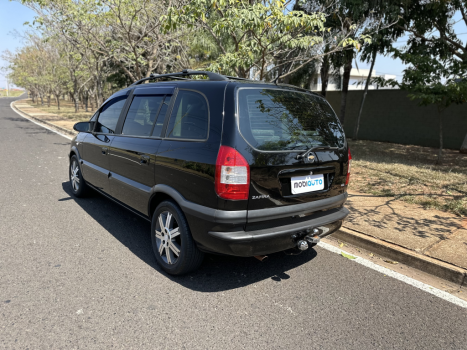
point(185, 73)
point(236, 78)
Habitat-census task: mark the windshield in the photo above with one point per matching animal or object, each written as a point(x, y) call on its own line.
point(280, 120)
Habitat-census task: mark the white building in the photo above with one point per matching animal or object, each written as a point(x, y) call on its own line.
point(357, 80)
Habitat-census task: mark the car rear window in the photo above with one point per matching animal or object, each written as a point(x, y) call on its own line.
point(280, 120)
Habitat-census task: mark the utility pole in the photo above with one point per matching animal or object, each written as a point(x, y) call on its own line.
point(7, 87)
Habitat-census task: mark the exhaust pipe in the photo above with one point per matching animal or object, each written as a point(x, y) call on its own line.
point(261, 257)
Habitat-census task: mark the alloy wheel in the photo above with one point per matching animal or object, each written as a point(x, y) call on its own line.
point(74, 175)
point(168, 238)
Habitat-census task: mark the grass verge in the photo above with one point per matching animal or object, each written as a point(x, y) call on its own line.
point(409, 173)
point(66, 112)
point(12, 93)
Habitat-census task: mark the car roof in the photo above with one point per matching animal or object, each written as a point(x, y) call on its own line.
point(239, 83)
point(245, 82)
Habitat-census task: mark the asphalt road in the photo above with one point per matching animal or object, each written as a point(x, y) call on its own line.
point(79, 273)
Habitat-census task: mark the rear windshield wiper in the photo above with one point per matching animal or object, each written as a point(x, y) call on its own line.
point(316, 148)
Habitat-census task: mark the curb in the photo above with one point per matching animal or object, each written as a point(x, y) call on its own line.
point(405, 256)
point(59, 128)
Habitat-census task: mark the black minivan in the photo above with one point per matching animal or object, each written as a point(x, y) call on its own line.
point(220, 164)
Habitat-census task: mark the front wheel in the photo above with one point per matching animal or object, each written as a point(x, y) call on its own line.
point(78, 186)
point(174, 248)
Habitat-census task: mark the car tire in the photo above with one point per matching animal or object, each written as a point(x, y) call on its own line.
point(78, 185)
point(174, 248)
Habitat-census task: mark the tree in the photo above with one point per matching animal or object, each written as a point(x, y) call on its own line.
point(381, 43)
point(125, 32)
point(367, 83)
point(257, 38)
point(433, 42)
point(31, 68)
point(351, 19)
point(432, 82)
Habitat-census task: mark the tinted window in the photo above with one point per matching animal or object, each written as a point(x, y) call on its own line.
point(277, 120)
point(141, 115)
point(161, 117)
point(190, 117)
point(109, 115)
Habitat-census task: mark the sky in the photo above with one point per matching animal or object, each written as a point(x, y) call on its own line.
point(13, 15)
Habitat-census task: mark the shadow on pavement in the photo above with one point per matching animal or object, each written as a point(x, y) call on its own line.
point(383, 213)
point(217, 273)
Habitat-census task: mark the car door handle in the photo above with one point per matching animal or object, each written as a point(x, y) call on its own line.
point(104, 150)
point(144, 159)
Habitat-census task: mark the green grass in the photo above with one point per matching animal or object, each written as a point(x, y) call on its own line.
point(410, 173)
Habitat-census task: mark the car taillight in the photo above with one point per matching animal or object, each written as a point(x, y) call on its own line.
point(347, 179)
point(232, 174)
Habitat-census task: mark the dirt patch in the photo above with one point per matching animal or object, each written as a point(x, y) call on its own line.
point(66, 112)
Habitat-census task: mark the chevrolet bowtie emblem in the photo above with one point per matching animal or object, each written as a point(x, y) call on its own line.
point(311, 157)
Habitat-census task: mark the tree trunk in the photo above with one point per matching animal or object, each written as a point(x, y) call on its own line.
point(279, 70)
point(76, 95)
point(42, 99)
point(367, 83)
point(324, 72)
point(440, 151)
point(58, 101)
point(100, 92)
point(345, 88)
point(86, 97)
point(464, 145)
point(48, 100)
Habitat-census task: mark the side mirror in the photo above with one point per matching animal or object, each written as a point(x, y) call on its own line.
point(82, 127)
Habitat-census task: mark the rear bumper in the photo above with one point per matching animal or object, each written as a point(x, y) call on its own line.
point(261, 242)
point(225, 232)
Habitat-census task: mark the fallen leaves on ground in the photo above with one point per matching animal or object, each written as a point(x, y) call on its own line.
point(391, 262)
point(348, 256)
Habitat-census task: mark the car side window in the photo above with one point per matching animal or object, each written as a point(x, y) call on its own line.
point(141, 115)
point(190, 117)
point(161, 117)
point(109, 114)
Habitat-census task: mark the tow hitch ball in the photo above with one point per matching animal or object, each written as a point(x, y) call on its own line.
point(302, 245)
point(312, 238)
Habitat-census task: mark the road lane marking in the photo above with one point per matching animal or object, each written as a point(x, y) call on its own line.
point(35, 122)
point(398, 276)
point(417, 284)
